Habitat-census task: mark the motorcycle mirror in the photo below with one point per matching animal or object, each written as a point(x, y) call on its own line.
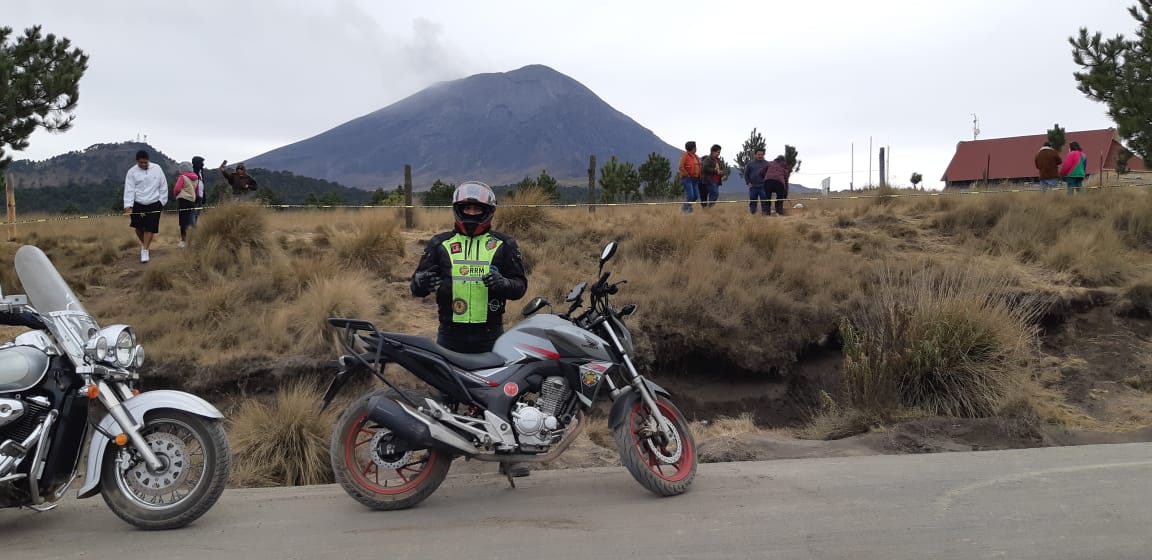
point(628, 310)
point(609, 251)
point(576, 292)
point(535, 305)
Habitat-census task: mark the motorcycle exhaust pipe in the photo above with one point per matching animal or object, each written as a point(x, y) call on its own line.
point(416, 428)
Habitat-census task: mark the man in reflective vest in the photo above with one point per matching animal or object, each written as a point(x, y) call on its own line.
point(473, 271)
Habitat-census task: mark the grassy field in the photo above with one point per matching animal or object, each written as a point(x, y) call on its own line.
point(1002, 305)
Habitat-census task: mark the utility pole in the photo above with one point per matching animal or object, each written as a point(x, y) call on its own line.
point(592, 184)
point(852, 181)
point(883, 169)
point(10, 191)
point(975, 127)
point(870, 162)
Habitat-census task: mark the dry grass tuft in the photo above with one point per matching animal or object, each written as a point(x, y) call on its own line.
point(304, 322)
point(231, 236)
point(525, 213)
point(374, 246)
point(284, 442)
point(945, 341)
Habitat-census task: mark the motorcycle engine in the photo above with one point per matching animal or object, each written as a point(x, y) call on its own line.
point(536, 423)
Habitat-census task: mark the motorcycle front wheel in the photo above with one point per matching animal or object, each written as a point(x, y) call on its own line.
point(377, 468)
point(196, 460)
point(661, 458)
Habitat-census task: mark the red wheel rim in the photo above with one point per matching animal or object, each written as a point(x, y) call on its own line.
point(672, 472)
point(368, 476)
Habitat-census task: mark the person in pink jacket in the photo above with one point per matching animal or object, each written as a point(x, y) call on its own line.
point(189, 188)
point(1074, 168)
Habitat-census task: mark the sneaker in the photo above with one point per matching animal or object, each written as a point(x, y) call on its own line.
point(182, 245)
point(143, 255)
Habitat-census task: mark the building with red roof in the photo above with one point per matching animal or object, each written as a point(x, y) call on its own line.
point(1013, 159)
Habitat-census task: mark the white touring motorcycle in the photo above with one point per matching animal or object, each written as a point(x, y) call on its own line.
point(524, 402)
point(159, 458)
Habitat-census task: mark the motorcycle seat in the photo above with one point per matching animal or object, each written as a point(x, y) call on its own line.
point(470, 362)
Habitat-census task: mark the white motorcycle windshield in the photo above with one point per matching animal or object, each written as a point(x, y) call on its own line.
point(50, 295)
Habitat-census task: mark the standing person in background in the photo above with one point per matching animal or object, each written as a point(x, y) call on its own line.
point(1075, 168)
point(145, 194)
point(776, 176)
point(202, 191)
point(711, 175)
point(1048, 167)
point(754, 178)
point(187, 193)
point(241, 182)
point(689, 170)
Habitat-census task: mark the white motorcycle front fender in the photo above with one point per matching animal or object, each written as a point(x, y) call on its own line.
point(138, 407)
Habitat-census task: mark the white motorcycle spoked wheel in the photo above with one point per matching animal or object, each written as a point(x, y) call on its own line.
point(661, 458)
point(378, 469)
point(196, 462)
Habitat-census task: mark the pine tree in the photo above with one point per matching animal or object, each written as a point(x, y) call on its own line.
point(619, 182)
point(790, 155)
point(916, 179)
point(656, 176)
point(1118, 73)
point(1056, 137)
point(39, 86)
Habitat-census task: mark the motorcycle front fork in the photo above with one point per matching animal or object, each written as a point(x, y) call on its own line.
point(113, 401)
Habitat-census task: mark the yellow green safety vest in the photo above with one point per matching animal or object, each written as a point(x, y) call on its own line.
point(471, 259)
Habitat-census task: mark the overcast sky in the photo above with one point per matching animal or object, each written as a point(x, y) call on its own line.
point(229, 79)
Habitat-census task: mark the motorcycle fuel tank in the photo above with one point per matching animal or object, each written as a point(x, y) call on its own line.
point(550, 337)
point(21, 367)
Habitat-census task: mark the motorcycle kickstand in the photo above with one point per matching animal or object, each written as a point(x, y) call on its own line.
point(504, 466)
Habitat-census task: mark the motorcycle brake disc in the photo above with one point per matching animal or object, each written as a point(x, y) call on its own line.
point(174, 452)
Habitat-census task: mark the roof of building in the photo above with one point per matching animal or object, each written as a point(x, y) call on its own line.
point(1014, 158)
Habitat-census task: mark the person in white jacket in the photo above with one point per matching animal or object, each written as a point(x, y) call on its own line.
point(145, 194)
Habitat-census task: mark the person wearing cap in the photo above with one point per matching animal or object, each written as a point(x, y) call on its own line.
point(145, 194)
point(473, 272)
point(240, 181)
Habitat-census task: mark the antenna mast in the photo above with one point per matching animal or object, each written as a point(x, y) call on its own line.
point(975, 126)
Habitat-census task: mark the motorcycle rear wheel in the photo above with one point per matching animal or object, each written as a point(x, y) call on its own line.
point(196, 459)
point(362, 452)
point(665, 462)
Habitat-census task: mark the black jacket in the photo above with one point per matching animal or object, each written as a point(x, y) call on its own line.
point(21, 319)
point(507, 260)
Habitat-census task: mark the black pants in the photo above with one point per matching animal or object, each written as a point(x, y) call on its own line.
point(781, 191)
point(469, 339)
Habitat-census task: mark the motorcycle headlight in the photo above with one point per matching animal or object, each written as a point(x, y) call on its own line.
point(139, 356)
point(97, 348)
point(125, 343)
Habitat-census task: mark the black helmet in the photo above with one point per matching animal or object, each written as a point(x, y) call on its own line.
point(473, 192)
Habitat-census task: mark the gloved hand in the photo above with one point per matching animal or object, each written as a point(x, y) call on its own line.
point(428, 280)
point(496, 282)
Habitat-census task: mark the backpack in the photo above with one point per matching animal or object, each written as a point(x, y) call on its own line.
point(187, 193)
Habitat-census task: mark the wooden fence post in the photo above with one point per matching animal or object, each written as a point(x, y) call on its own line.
point(409, 221)
point(592, 184)
point(10, 190)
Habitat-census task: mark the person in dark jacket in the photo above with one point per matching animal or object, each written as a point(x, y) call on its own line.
point(1048, 167)
point(776, 176)
point(754, 178)
point(711, 176)
point(473, 271)
point(240, 181)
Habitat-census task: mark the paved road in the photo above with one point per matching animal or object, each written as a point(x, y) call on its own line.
point(1071, 503)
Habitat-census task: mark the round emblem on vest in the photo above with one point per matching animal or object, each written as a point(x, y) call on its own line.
point(459, 306)
point(494, 305)
point(463, 270)
point(491, 243)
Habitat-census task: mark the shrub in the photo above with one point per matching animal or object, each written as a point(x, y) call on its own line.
point(284, 442)
point(945, 341)
point(525, 213)
point(374, 246)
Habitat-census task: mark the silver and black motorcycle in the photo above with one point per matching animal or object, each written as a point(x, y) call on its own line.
point(524, 402)
point(160, 459)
